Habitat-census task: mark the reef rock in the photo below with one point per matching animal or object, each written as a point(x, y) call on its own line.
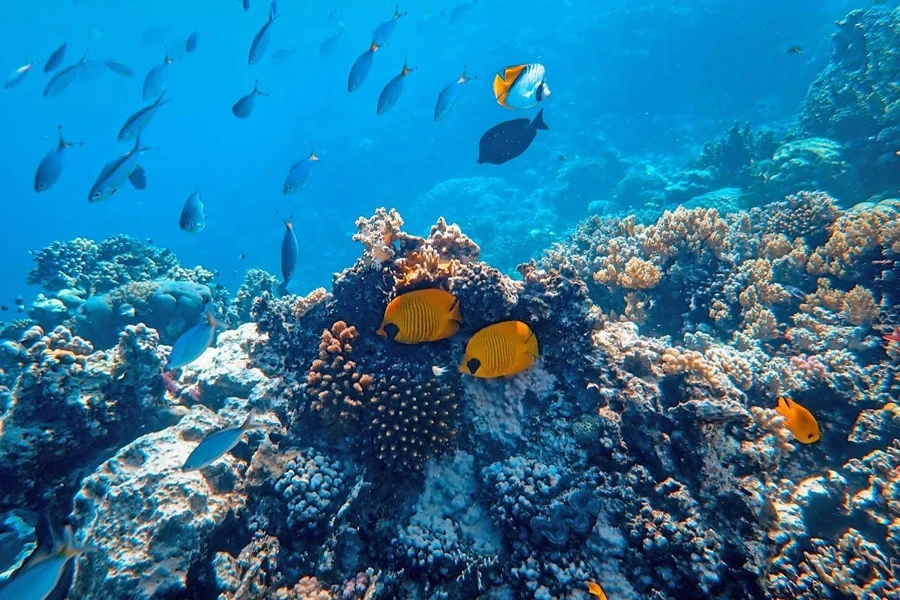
point(145, 520)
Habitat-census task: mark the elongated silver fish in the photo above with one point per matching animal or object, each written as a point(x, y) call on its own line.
point(290, 254)
point(263, 37)
point(64, 78)
point(40, 576)
point(16, 77)
point(136, 122)
point(218, 445)
point(56, 58)
point(116, 172)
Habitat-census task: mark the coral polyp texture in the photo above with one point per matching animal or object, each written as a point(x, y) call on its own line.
point(659, 445)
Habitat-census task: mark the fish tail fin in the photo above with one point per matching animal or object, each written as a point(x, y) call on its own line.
point(162, 98)
point(312, 155)
point(538, 122)
point(251, 421)
point(454, 311)
point(374, 47)
point(531, 346)
point(63, 143)
point(465, 76)
point(282, 289)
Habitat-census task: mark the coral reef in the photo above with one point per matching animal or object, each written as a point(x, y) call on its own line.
point(641, 451)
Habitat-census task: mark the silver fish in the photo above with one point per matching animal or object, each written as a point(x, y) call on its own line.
point(218, 445)
point(243, 107)
point(119, 68)
point(116, 172)
point(51, 166)
point(263, 37)
point(139, 120)
point(40, 576)
point(56, 58)
point(16, 77)
point(449, 95)
point(64, 78)
point(157, 79)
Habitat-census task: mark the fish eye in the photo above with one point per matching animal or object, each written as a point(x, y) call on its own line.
point(810, 436)
point(391, 330)
point(473, 365)
point(96, 195)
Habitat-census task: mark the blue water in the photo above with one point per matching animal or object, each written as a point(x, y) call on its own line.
point(654, 78)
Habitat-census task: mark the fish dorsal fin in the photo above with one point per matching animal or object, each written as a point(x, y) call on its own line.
point(510, 74)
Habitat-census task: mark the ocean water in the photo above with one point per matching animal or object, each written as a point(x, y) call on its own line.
point(654, 79)
point(656, 356)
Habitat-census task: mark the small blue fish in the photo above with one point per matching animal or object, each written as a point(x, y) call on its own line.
point(290, 254)
point(360, 69)
point(138, 178)
point(329, 45)
point(64, 78)
point(449, 95)
point(118, 68)
point(16, 77)
point(193, 342)
point(139, 120)
point(218, 445)
point(51, 166)
point(461, 10)
point(157, 79)
point(383, 32)
point(283, 56)
point(193, 215)
point(391, 92)
point(56, 58)
point(263, 37)
point(116, 172)
point(40, 576)
point(243, 107)
point(192, 42)
point(299, 174)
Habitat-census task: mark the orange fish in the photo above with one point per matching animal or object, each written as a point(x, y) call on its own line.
point(799, 421)
point(500, 349)
point(421, 316)
point(893, 336)
point(595, 590)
